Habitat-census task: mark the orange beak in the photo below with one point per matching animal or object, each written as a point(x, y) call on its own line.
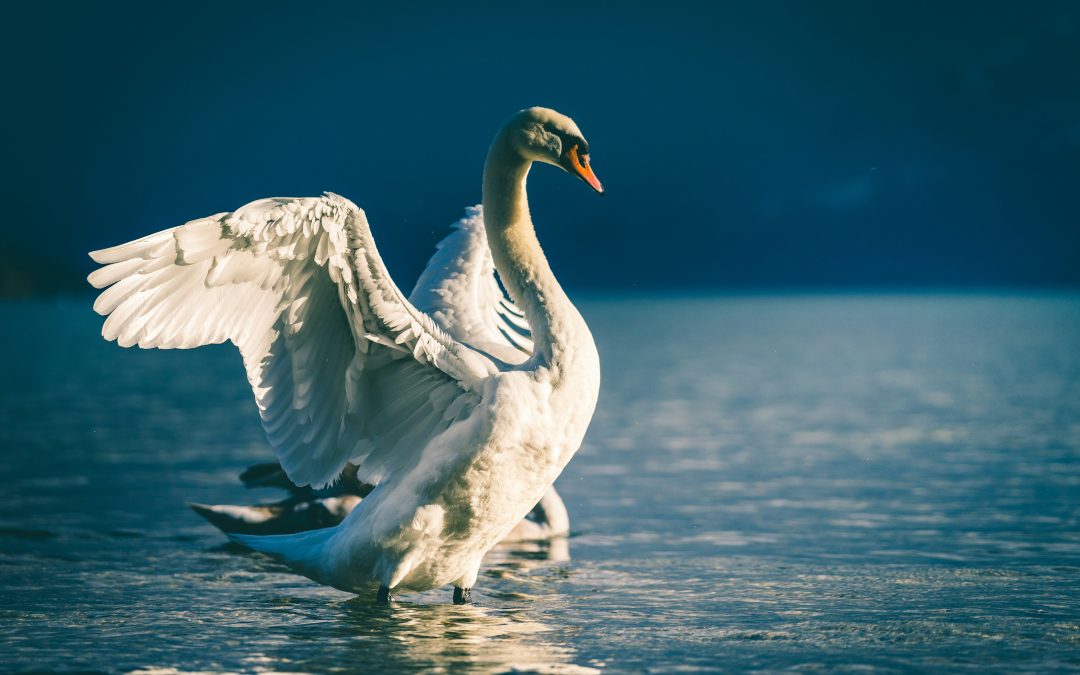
point(579, 166)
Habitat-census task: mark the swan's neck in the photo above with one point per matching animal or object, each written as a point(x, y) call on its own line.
point(520, 261)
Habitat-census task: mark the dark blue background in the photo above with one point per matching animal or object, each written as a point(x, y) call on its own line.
point(742, 144)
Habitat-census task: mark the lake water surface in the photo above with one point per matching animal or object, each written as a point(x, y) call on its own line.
point(881, 483)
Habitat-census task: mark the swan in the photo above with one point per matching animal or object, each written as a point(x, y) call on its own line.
point(307, 509)
point(459, 404)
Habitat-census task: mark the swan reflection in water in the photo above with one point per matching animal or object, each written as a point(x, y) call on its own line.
point(427, 633)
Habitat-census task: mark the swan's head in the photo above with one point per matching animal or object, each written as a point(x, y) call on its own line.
point(544, 135)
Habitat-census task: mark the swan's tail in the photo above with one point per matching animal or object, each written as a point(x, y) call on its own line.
point(305, 552)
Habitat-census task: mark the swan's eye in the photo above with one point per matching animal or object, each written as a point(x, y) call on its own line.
point(576, 147)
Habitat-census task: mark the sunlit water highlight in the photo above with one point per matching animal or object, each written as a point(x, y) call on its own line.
point(880, 482)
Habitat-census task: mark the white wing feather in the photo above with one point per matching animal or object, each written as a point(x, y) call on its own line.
point(460, 291)
point(343, 367)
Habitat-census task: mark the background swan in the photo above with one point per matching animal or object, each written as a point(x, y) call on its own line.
point(309, 509)
point(461, 412)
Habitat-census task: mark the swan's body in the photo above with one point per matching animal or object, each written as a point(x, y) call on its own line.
point(459, 407)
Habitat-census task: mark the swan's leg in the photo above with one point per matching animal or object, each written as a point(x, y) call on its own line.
point(462, 596)
point(383, 597)
point(463, 586)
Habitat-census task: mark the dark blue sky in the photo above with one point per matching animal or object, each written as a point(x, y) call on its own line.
point(757, 143)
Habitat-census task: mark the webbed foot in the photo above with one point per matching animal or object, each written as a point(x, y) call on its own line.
point(462, 596)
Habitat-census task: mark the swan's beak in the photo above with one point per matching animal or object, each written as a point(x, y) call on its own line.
point(579, 166)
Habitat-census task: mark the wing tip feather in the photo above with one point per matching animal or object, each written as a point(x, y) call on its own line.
point(100, 256)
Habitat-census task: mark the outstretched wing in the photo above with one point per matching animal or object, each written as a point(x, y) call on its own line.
point(343, 367)
point(460, 291)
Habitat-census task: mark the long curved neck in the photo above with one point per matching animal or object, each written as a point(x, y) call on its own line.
point(520, 261)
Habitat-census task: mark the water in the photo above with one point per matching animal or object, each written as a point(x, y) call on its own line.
point(838, 483)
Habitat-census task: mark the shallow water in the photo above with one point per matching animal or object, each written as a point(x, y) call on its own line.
point(839, 483)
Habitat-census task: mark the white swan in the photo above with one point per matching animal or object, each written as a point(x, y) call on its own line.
point(461, 412)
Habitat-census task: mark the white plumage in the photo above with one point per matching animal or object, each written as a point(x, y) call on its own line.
point(460, 291)
point(457, 405)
